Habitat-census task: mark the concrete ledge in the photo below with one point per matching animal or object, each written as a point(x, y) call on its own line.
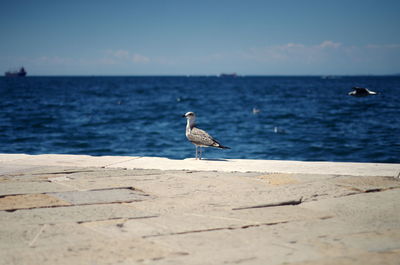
point(223, 165)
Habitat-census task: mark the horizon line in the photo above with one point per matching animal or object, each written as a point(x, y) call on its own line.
point(211, 75)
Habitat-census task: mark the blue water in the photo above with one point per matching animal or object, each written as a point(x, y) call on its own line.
point(300, 118)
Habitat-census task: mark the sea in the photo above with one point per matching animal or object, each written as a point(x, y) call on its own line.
point(305, 118)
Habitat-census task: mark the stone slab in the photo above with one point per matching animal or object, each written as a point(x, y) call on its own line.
point(71, 243)
point(16, 188)
point(110, 178)
point(373, 210)
point(67, 214)
point(26, 201)
point(367, 183)
point(288, 243)
point(12, 168)
point(196, 222)
point(101, 196)
point(383, 258)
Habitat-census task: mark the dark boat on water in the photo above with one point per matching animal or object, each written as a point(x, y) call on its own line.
point(228, 75)
point(19, 73)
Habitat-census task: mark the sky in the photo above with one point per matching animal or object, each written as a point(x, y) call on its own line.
point(207, 37)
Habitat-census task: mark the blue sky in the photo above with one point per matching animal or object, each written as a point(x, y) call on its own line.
point(201, 37)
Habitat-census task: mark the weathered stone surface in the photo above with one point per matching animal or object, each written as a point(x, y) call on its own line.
point(228, 165)
point(284, 212)
point(106, 178)
point(279, 179)
point(367, 184)
point(25, 201)
point(14, 188)
point(368, 211)
point(70, 243)
point(83, 213)
point(12, 157)
point(101, 196)
point(68, 160)
point(272, 166)
point(9, 170)
point(384, 258)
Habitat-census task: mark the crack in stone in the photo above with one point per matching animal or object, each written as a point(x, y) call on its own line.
point(63, 172)
point(118, 218)
point(121, 188)
point(33, 241)
point(138, 192)
point(240, 260)
point(217, 229)
point(369, 190)
point(230, 227)
point(275, 204)
point(72, 205)
point(104, 189)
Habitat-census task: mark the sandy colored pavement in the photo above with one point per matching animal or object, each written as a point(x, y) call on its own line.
point(71, 209)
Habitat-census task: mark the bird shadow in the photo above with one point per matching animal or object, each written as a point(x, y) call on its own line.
point(215, 159)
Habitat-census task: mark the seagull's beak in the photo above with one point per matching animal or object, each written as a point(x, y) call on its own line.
point(184, 116)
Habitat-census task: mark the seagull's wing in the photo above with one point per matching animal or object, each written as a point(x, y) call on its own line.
point(200, 137)
point(370, 92)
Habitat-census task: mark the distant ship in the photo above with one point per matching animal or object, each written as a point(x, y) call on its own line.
point(21, 72)
point(228, 75)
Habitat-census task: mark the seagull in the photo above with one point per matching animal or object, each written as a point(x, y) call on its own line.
point(198, 137)
point(256, 111)
point(361, 92)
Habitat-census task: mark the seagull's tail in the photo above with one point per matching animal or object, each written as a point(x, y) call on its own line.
point(218, 145)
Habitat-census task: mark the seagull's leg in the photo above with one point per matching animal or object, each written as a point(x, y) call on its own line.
point(200, 152)
point(196, 152)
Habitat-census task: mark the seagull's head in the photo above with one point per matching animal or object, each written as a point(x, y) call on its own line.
point(190, 116)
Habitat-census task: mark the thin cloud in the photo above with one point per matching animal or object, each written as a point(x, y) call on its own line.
point(293, 45)
point(324, 51)
point(383, 46)
point(126, 56)
point(120, 54)
point(325, 57)
point(51, 60)
point(329, 44)
point(138, 58)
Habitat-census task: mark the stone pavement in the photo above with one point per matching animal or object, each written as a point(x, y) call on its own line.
point(67, 209)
